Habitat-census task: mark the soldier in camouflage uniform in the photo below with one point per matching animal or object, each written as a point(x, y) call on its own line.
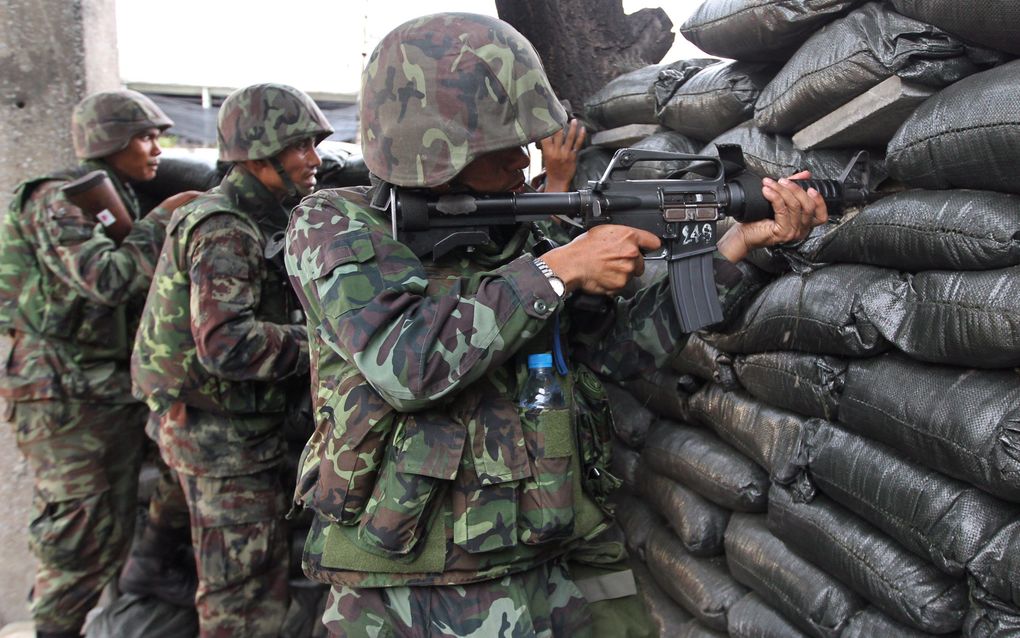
point(218, 348)
point(442, 509)
point(66, 297)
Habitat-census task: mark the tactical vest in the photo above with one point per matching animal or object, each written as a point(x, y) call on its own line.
point(164, 364)
point(34, 300)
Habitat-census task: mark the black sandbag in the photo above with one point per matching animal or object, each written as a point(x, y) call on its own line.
point(701, 585)
point(964, 423)
point(819, 311)
point(698, 523)
point(871, 623)
point(664, 392)
point(997, 566)
point(853, 54)
point(176, 175)
point(759, 29)
point(804, 383)
point(990, 617)
point(919, 230)
point(666, 141)
point(958, 318)
point(770, 437)
point(716, 99)
point(636, 519)
point(895, 580)
point(705, 361)
point(665, 613)
point(340, 169)
point(592, 163)
point(814, 601)
point(624, 463)
point(994, 24)
point(630, 98)
point(965, 136)
point(774, 155)
point(945, 521)
point(631, 419)
point(699, 460)
point(131, 616)
point(751, 617)
point(694, 629)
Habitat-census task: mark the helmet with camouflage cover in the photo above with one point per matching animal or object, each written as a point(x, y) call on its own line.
point(260, 121)
point(104, 123)
point(442, 90)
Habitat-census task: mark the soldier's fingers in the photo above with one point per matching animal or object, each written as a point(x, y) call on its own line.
point(571, 137)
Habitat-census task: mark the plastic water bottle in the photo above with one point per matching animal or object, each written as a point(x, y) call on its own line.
point(541, 390)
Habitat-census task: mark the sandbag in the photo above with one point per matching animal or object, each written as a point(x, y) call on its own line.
point(958, 318)
point(664, 392)
point(855, 53)
point(705, 361)
point(759, 29)
point(624, 463)
point(994, 24)
point(945, 521)
point(717, 98)
point(631, 420)
point(667, 616)
point(997, 566)
point(893, 579)
point(176, 175)
point(694, 629)
point(636, 519)
point(340, 169)
point(701, 585)
point(965, 136)
point(774, 155)
point(699, 460)
point(630, 98)
point(926, 230)
point(592, 163)
point(770, 437)
point(751, 617)
point(963, 423)
point(819, 311)
point(804, 383)
point(668, 142)
point(131, 616)
point(698, 523)
point(990, 617)
point(871, 623)
point(817, 603)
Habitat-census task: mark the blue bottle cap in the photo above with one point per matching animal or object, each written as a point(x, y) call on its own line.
point(542, 360)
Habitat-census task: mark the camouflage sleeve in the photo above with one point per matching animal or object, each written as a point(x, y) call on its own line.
point(367, 293)
point(226, 286)
point(643, 332)
point(72, 248)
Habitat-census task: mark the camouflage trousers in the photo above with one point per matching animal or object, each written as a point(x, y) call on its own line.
point(242, 553)
point(84, 459)
point(542, 602)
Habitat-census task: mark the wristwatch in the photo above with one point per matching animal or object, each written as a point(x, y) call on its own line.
point(557, 284)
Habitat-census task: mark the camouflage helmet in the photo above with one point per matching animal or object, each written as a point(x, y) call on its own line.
point(104, 123)
point(441, 90)
point(260, 121)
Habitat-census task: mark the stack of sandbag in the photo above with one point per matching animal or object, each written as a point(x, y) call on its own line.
point(855, 428)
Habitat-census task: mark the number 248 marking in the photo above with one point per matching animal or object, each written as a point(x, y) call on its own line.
point(703, 234)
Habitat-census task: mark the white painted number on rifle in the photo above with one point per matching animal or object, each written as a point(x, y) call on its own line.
point(698, 234)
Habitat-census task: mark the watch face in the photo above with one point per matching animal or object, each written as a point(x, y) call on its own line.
point(557, 285)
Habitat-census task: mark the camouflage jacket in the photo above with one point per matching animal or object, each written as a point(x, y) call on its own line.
point(422, 470)
point(216, 333)
point(69, 296)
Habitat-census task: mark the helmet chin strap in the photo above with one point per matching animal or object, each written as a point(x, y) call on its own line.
point(293, 195)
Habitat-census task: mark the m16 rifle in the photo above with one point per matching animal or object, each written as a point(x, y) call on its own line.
point(683, 212)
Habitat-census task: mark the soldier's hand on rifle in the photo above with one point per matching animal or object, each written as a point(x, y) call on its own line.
point(796, 212)
point(559, 154)
point(602, 260)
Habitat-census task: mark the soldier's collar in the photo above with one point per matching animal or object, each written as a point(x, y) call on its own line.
point(251, 196)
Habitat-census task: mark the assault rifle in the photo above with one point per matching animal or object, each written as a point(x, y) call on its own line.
point(682, 212)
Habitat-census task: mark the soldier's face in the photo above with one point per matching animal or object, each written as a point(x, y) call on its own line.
point(496, 172)
point(139, 160)
point(301, 163)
